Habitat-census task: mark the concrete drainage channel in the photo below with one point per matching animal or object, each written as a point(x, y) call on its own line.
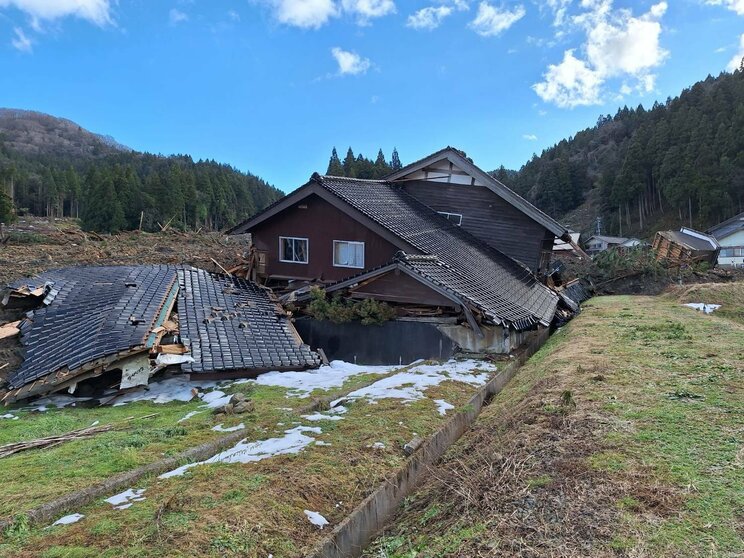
point(351, 536)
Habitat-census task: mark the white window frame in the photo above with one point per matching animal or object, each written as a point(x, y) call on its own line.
point(364, 256)
point(307, 249)
point(449, 214)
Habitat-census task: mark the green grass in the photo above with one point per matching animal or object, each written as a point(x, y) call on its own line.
point(254, 509)
point(666, 383)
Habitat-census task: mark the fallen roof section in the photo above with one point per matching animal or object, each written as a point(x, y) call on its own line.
point(97, 319)
point(232, 326)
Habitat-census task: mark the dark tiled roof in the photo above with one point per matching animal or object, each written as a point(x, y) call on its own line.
point(722, 230)
point(93, 312)
point(502, 288)
point(231, 325)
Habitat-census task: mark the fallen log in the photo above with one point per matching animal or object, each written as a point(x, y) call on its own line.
point(50, 441)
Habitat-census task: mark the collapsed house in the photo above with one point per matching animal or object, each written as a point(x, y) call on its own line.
point(686, 246)
point(115, 327)
point(460, 257)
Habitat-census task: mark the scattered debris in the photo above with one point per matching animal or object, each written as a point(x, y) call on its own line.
point(377, 445)
point(68, 519)
point(10, 330)
point(411, 447)
point(316, 519)
point(50, 441)
point(124, 500)
point(294, 441)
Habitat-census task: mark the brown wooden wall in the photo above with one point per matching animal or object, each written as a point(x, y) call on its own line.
point(321, 223)
point(396, 286)
point(488, 217)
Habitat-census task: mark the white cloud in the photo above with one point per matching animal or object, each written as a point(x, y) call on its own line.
point(95, 11)
point(428, 18)
point(21, 41)
point(177, 16)
point(559, 9)
point(733, 5)
point(736, 61)
point(618, 45)
point(491, 21)
point(307, 14)
point(233, 15)
point(530, 137)
point(350, 63)
point(365, 10)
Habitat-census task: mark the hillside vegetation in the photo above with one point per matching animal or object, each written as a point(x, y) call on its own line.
point(679, 162)
point(621, 437)
point(54, 168)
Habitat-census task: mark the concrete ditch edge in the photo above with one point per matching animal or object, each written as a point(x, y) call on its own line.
point(349, 538)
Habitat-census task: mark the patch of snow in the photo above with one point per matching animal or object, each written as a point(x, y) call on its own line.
point(9, 416)
point(214, 399)
point(293, 441)
point(95, 423)
point(320, 416)
point(68, 519)
point(125, 499)
point(177, 388)
point(316, 519)
point(220, 428)
point(702, 307)
point(443, 406)
point(322, 443)
point(59, 401)
point(188, 415)
point(301, 384)
point(377, 445)
point(410, 385)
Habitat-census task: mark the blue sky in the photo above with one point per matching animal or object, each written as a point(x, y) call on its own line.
point(270, 86)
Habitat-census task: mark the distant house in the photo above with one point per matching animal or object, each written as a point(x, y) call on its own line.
point(599, 243)
point(730, 235)
point(560, 245)
point(686, 246)
point(439, 234)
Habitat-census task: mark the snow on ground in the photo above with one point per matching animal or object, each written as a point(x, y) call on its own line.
point(68, 519)
point(301, 384)
point(411, 384)
point(443, 406)
point(177, 388)
point(316, 519)
point(293, 441)
point(188, 415)
point(220, 428)
point(701, 306)
point(8, 416)
point(125, 499)
point(320, 416)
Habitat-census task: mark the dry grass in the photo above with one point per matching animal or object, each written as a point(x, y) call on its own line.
point(619, 438)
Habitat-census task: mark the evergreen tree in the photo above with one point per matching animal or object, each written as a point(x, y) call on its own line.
point(334, 165)
point(349, 165)
point(395, 163)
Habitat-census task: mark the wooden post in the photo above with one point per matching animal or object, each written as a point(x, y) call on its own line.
point(142, 216)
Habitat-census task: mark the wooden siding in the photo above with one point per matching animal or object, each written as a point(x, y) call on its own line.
point(399, 287)
point(488, 217)
point(321, 223)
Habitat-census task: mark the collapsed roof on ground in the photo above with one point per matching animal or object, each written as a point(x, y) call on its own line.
point(140, 319)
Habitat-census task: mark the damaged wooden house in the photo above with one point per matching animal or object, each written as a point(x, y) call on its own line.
point(460, 257)
point(108, 329)
point(686, 246)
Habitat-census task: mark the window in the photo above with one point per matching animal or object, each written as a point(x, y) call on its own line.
point(727, 252)
point(293, 250)
point(348, 254)
point(732, 252)
point(455, 218)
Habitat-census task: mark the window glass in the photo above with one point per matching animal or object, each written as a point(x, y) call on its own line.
point(727, 252)
point(348, 254)
point(456, 218)
point(292, 249)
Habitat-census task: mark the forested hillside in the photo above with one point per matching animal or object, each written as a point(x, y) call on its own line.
point(54, 168)
point(360, 167)
point(680, 162)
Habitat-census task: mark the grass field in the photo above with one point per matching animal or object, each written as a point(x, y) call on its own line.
point(251, 509)
point(623, 436)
